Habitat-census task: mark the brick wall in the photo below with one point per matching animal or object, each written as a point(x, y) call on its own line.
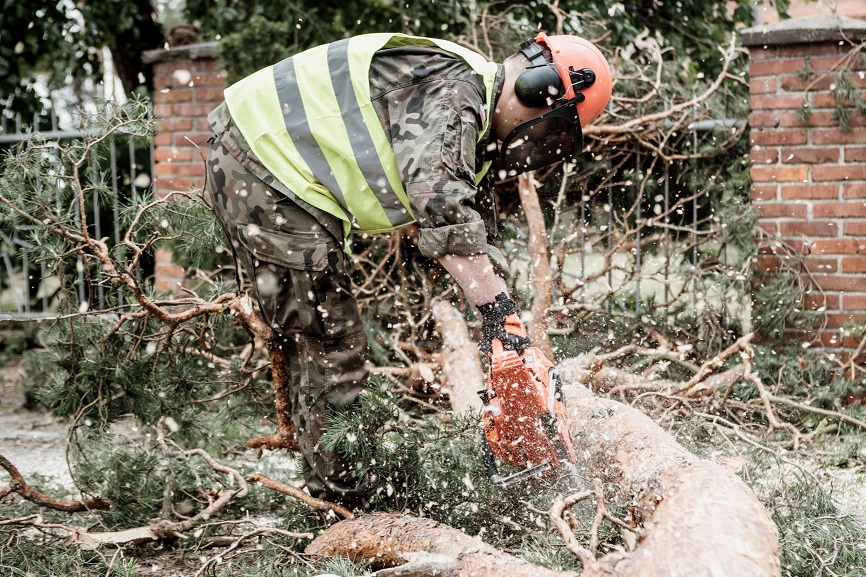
point(187, 85)
point(808, 175)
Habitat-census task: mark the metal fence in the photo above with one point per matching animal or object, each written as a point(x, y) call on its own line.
point(26, 288)
point(657, 267)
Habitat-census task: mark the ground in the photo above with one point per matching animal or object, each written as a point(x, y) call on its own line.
point(35, 443)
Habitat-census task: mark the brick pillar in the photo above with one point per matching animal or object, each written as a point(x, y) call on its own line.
point(808, 175)
point(187, 85)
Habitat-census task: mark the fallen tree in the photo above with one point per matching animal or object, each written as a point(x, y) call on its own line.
point(696, 517)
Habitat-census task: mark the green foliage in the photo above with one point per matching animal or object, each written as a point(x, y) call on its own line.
point(778, 298)
point(45, 555)
point(815, 538)
point(58, 44)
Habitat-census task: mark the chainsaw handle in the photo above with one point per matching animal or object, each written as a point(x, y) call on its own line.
point(497, 348)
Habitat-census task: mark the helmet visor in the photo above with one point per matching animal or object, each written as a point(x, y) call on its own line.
point(542, 141)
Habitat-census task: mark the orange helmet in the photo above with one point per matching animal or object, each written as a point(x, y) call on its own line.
point(583, 71)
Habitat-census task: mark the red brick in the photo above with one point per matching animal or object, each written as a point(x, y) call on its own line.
point(767, 263)
point(822, 100)
point(173, 154)
point(840, 172)
point(205, 64)
point(199, 138)
point(810, 49)
point(765, 85)
point(838, 136)
point(770, 227)
point(837, 320)
point(846, 246)
point(192, 169)
point(855, 154)
point(854, 190)
point(782, 210)
point(201, 124)
point(795, 83)
point(839, 209)
point(209, 94)
point(163, 110)
point(162, 139)
point(193, 109)
point(164, 169)
point(771, 102)
point(813, 191)
point(779, 173)
point(175, 124)
point(763, 53)
point(828, 61)
point(854, 264)
point(816, 301)
point(163, 256)
point(764, 155)
point(175, 183)
point(173, 95)
point(809, 228)
point(765, 192)
point(764, 118)
point(207, 79)
point(856, 228)
point(776, 67)
point(854, 302)
point(841, 283)
point(170, 66)
point(831, 338)
point(777, 137)
point(815, 117)
point(821, 264)
point(803, 155)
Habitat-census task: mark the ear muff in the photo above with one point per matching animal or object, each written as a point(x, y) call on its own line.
point(538, 86)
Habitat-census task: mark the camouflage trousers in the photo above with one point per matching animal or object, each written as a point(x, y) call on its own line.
point(298, 271)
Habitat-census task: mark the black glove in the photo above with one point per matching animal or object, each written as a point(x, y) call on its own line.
point(500, 321)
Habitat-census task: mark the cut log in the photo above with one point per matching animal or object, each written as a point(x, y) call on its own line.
point(699, 518)
point(423, 545)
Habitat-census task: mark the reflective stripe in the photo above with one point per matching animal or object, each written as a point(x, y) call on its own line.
point(318, 132)
point(360, 139)
point(295, 119)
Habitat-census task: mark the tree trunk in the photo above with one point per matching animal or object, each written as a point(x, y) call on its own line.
point(699, 518)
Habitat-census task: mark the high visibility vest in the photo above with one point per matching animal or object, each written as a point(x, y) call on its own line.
point(310, 121)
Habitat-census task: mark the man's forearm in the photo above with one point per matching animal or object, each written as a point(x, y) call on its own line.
point(476, 276)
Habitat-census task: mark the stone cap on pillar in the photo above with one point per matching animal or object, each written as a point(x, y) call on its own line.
point(823, 28)
point(187, 52)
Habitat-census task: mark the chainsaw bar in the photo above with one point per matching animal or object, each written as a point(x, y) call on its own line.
point(524, 420)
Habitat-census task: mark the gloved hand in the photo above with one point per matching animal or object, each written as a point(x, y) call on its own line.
point(500, 321)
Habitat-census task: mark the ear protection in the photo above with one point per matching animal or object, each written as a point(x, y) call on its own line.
point(540, 84)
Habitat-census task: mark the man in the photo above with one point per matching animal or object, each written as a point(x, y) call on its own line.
point(370, 134)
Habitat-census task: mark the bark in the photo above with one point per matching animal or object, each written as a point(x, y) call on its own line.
point(542, 278)
point(461, 367)
point(699, 518)
point(425, 546)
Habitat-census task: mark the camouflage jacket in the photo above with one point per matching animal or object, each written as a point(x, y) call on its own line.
point(431, 105)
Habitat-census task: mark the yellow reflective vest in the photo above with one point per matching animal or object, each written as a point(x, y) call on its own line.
point(310, 121)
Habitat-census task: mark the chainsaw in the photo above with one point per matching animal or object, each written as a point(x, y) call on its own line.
point(525, 422)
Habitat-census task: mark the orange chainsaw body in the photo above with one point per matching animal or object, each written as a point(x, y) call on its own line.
point(525, 420)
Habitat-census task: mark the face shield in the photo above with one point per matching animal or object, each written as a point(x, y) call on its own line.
point(542, 141)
